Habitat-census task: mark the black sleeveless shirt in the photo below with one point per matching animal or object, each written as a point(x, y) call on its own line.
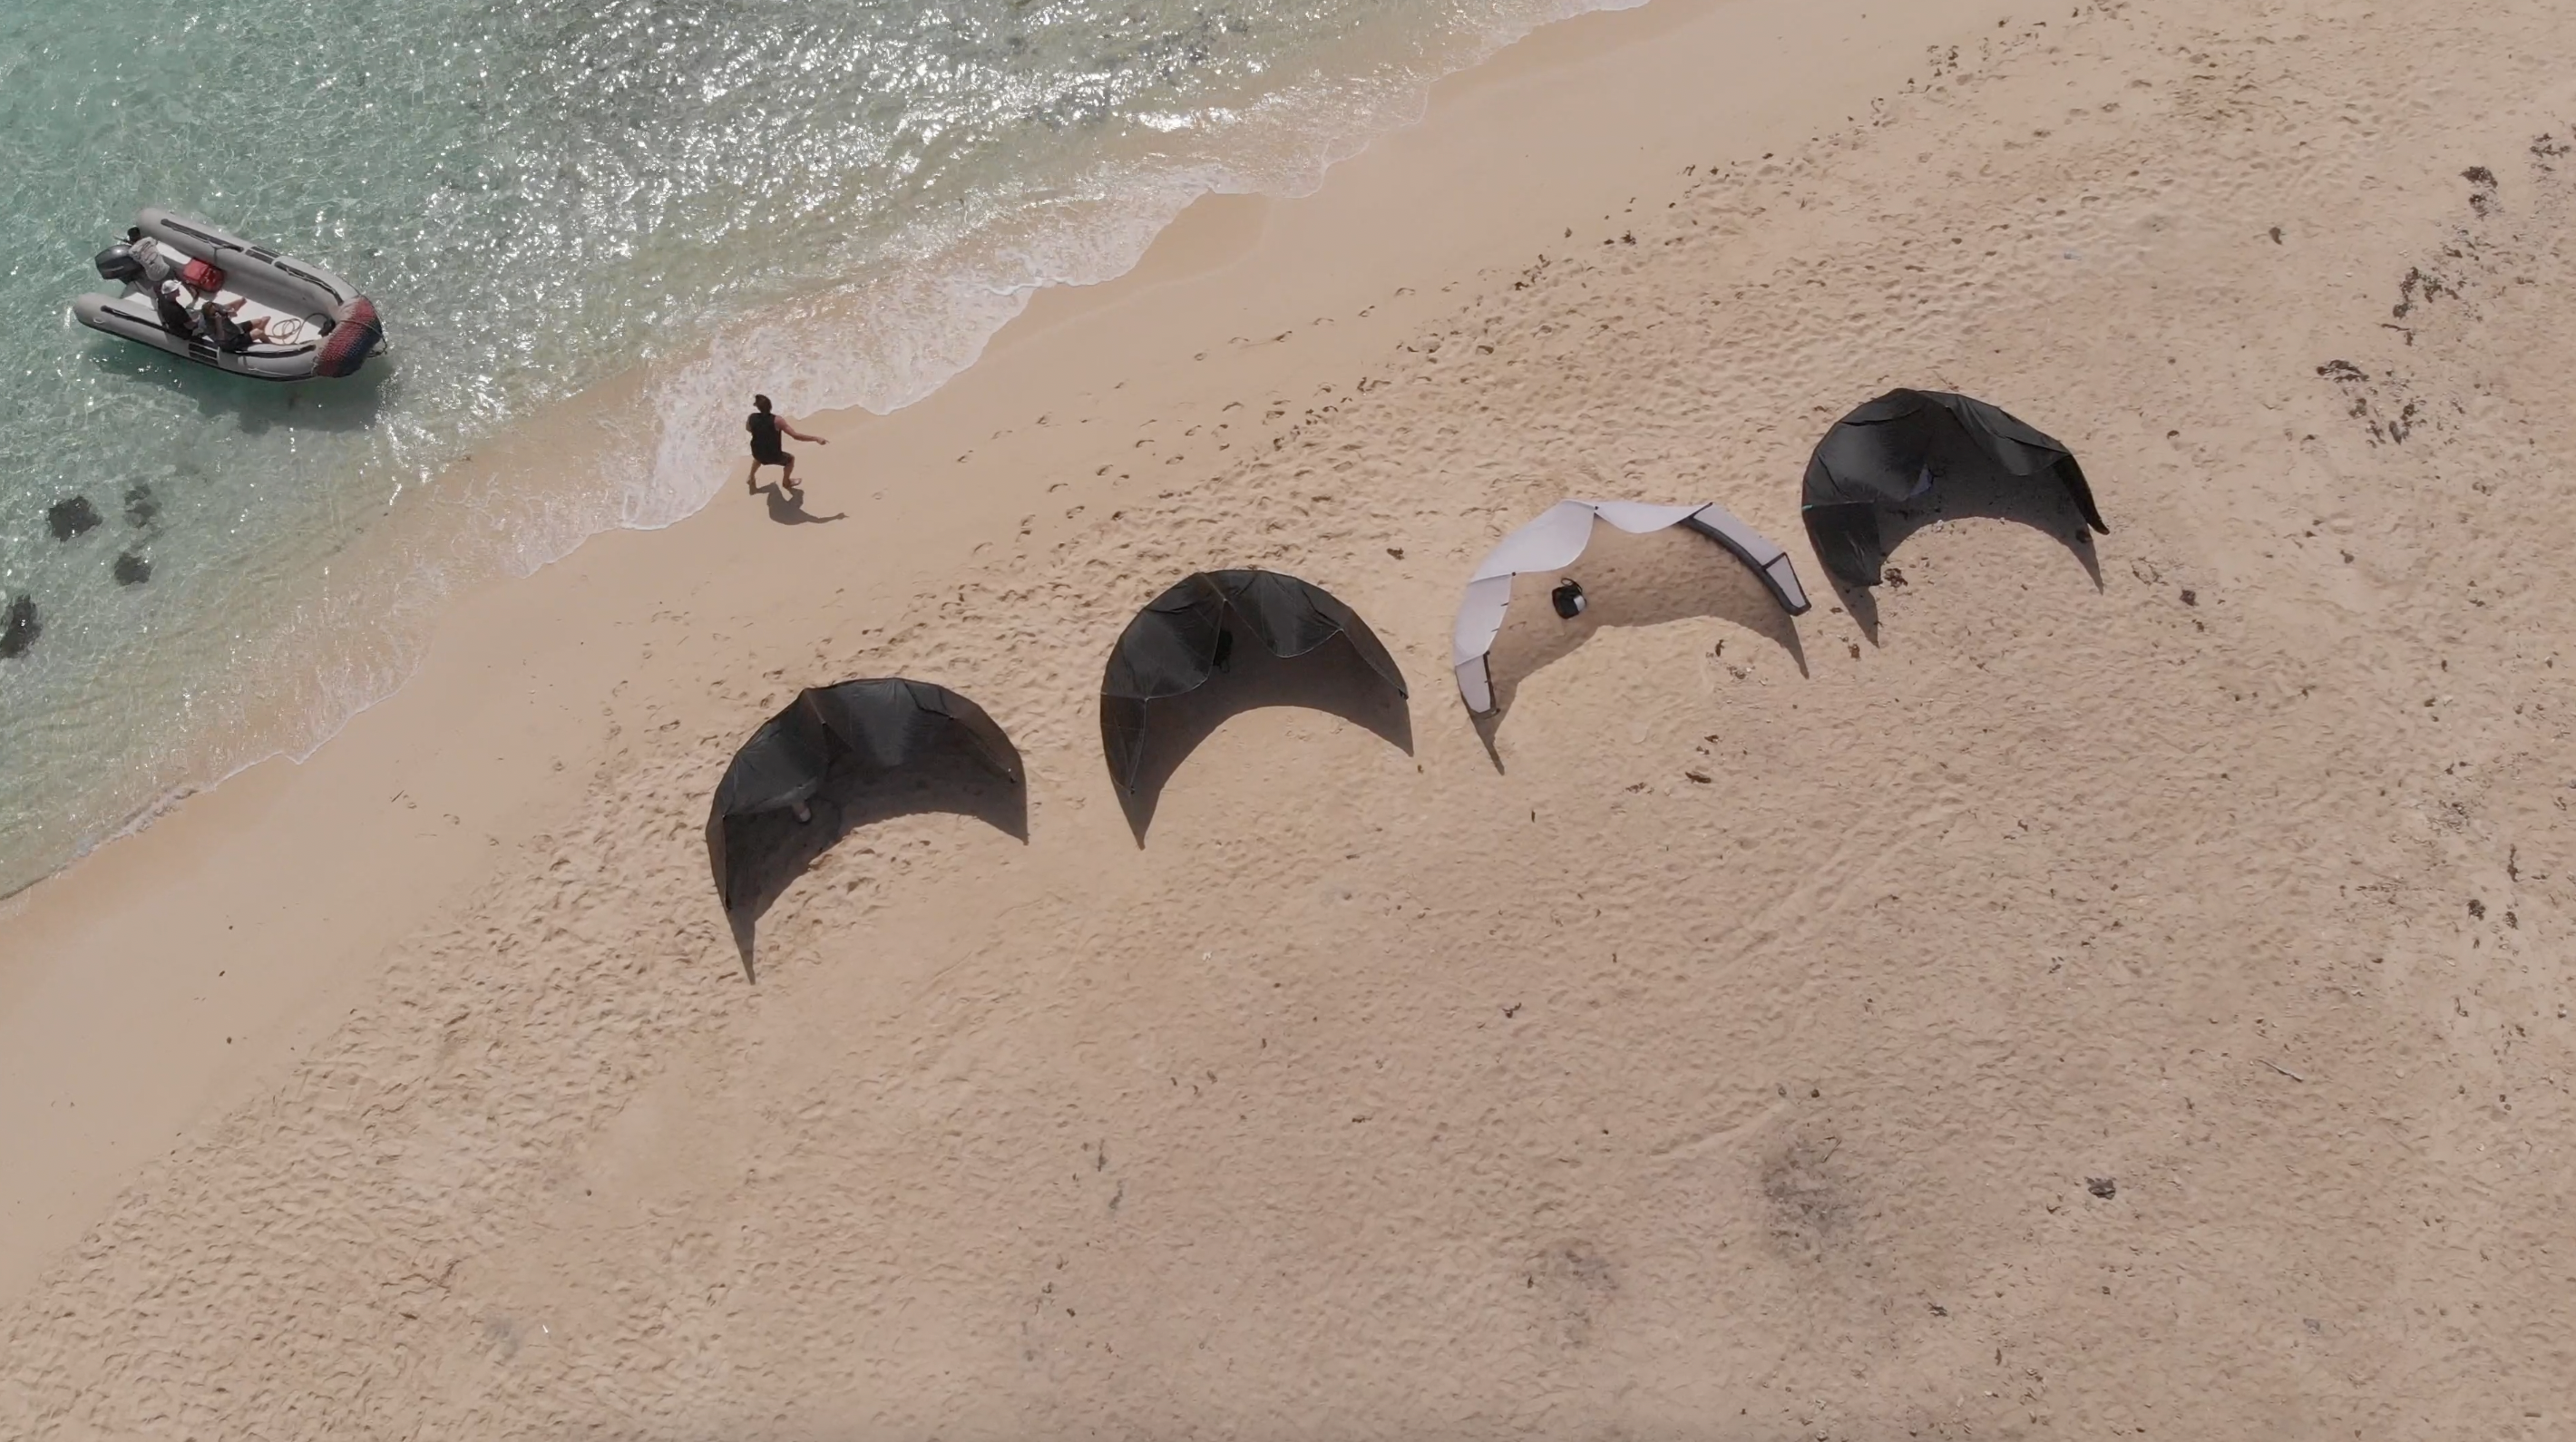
point(174, 316)
point(764, 435)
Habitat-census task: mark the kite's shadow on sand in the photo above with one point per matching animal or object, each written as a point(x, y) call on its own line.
point(1331, 678)
point(1979, 494)
point(1627, 581)
point(773, 849)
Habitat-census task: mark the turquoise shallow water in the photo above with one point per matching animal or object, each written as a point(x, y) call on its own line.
point(838, 202)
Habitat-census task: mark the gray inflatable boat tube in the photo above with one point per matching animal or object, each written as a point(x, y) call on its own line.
point(321, 327)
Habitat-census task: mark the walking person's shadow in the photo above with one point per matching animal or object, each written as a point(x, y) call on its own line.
point(787, 507)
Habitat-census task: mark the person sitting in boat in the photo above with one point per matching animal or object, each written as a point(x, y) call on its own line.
point(167, 302)
point(225, 327)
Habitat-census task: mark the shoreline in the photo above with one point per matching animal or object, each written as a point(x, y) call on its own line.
point(93, 969)
point(643, 440)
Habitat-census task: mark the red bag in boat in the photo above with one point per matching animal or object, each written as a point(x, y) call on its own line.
point(201, 277)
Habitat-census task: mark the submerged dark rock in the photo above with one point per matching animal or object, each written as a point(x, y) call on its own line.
point(132, 570)
point(141, 508)
point(19, 627)
point(71, 516)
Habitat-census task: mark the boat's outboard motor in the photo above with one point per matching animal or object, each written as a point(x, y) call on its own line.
point(119, 263)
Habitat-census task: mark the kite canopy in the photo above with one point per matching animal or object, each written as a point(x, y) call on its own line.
point(856, 732)
point(1189, 634)
point(1896, 449)
point(1557, 537)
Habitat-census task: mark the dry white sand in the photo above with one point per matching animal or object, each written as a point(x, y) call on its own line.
point(1406, 1095)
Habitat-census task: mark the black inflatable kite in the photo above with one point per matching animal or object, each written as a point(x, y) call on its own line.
point(1896, 448)
point(1190, 633)
point(846, 736)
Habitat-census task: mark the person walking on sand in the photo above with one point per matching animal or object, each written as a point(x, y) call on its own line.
point(766, 427)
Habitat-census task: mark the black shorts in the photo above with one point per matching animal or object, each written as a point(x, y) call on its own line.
point(774, 456)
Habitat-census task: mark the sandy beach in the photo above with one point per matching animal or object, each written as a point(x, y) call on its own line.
point(2095, 990)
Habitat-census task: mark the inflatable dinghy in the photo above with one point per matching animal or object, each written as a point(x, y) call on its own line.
point(316, 326)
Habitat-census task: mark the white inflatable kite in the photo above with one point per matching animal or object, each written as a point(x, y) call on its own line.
point(1557, 537)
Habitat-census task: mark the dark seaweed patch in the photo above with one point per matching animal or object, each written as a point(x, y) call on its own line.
point(19, 627)
point(71, 516)
point(132, 570)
